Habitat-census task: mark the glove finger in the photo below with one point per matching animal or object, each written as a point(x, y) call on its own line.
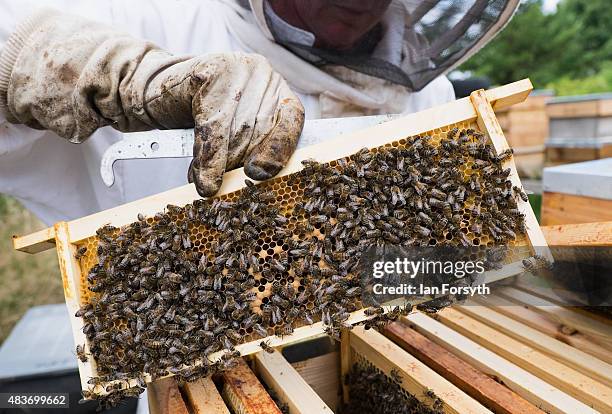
point(210, 158)
point(269, 156)
point(255, 111)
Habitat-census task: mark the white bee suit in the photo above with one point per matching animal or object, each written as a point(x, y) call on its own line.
point(58, 180)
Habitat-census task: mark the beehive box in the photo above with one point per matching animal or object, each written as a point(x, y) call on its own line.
point(476, 112)
point(577, 193)
point(580, 128)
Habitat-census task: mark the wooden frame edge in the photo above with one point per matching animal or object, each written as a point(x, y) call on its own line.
point(289, 386)
point(493, 395)
point(204, 397)
point(527, 385)
point(567, 379)
point(542, 323)
point(584, 234)
point(71, 273)
point(569, 355)
point(243, 392)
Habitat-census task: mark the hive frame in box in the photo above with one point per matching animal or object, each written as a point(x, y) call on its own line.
point(479, 108)
point(371, 348)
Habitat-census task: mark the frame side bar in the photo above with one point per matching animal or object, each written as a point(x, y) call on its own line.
point(489, 124)
point(71, 274)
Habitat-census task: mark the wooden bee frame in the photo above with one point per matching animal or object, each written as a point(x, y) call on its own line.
point(478, 109)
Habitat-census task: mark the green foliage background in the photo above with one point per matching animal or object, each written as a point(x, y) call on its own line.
point(569, 50)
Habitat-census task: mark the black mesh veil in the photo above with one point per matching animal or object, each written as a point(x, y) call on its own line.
point(421, 39)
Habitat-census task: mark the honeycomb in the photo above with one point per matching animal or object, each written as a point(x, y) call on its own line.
point(271, 248)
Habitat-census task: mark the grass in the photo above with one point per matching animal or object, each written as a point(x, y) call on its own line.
point(25, 280)
point(536, 204)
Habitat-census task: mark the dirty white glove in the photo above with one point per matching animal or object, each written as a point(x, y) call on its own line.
point(73, 76)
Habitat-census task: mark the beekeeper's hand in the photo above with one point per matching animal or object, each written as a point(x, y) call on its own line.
point(72, 76)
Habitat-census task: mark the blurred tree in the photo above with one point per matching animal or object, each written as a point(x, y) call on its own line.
point(520, 51)
point(583, 29)
point(574, 42)
point(601, 82)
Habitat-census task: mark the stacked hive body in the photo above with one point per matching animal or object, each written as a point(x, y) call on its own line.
point(580, 128)
point(285, 192)
point(577, 193)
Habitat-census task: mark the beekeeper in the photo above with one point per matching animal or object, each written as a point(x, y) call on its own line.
point(242, 73)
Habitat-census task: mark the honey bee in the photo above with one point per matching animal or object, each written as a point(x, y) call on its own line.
point(80, 253)
point(230, 355)
point(88, 395)
point(307, 317)
point(504, 156)
point(265, 345)
point(397, 196)
point(377, 310)
point(333, 331)
point(85, 311)
point(513, 212)
point(353, 292)
point(153, 344)
point(422, 231)
point(114, 387)
point(80, 351)
point(286, 329)
point(543, 262)
point(95, 381)
point(430, 393)
point(396, 376)
point(438, 403)
point(518, 191)
point(226, 342)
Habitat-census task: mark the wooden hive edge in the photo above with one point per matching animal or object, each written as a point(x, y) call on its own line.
point(475, 383)
point(535, 390)
point(288, 385)
point(244, 394)
point(587, 234)
point(488, 123)
point(567, 379)
point(71, 274)
point(569, 355)
point(544, 324)
point(204, 397)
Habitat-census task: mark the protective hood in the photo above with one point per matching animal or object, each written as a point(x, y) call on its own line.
point(416, 41)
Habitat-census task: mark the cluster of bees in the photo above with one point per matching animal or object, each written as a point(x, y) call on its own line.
point(163, 304)
point(371, 391)
point(282, 406)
